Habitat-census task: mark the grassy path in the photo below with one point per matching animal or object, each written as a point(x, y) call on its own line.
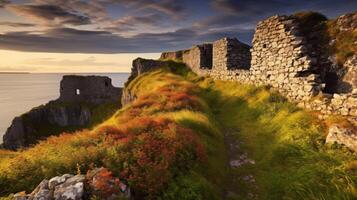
point(238, 158)
point(276, 150)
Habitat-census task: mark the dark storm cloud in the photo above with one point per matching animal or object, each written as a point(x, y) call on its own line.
point(16, 24)
point(142, 25)
point(271, 7)
point(94, 9)
point(67, 40)
point(3, 3)
point(250, 8)
point(49, 14)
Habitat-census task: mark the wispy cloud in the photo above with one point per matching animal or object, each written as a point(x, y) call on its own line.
point(49, 14)
point(16, 24)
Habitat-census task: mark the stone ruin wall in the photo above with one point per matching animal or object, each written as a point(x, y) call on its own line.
point(281, 58)
point(198, 57)
point(90, 89)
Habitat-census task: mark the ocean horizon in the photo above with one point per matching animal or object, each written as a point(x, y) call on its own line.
point(20, 92)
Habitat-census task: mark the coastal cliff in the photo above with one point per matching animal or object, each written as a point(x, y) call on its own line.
point(83, 102)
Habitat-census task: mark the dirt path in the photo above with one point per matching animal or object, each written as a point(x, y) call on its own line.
point(241, 184)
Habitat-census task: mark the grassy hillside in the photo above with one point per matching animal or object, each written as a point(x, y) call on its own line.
point(170, 144)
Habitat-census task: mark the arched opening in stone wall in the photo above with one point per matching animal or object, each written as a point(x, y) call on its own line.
point(106, 84)
point(331, 82)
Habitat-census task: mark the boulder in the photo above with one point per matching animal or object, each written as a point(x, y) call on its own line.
point(99, 183)
point(71, 189)
point(345, 136)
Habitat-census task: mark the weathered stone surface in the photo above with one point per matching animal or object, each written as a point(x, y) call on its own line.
point(98, 183)
point(89, 89)
point(345, 136)
point(23, 130)
point(58, 180)
point(41, 192)
point(71, 189)
point(349, 79)
point(198, 57)
point(174, 55)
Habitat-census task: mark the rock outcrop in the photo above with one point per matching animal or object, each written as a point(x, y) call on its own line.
point(139, 67)
point(341, 135)
point(80, 96)
point(43, 121)
point(98, 183)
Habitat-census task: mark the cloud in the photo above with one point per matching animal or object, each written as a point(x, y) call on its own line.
point(68, 40)
point(249, 8)
point(16, 24)
point(94, 9)
point(131, 23)
point(3, 3)
point(128, 26)
point(171, 8)
point(87, 62)
point(264, 8)
point(49, 14)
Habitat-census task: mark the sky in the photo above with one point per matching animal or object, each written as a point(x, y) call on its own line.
point(106, 35)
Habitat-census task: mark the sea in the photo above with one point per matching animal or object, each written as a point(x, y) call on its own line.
point(21, 92)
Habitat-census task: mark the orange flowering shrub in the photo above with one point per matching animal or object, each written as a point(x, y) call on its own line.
point(103, 183)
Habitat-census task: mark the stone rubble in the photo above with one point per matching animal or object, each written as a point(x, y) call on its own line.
point(78, 187)
point(341, 135)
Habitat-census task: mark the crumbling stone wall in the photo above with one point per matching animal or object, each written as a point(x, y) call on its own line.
point(283, 58)
point(231, 54)
point(174, 55)
point(280, 59)
point(90, 89)
point(198, 57)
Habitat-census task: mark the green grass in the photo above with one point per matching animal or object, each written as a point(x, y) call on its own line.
point(287, 144)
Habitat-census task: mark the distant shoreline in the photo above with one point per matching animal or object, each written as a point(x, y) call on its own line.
point(15, 73)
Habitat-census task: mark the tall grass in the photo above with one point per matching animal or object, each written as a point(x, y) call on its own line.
point(287, 143)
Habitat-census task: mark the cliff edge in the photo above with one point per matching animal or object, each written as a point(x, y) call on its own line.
point(83, 101)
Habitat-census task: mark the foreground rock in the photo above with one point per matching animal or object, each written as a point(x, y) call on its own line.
point(98, 183)
point(79, 97)
point(344, 136)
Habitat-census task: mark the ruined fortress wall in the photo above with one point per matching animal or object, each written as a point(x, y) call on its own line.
point(281, 58)
point(199, 57)
point(91, 89)
point(173, 55)
point(230, 54)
